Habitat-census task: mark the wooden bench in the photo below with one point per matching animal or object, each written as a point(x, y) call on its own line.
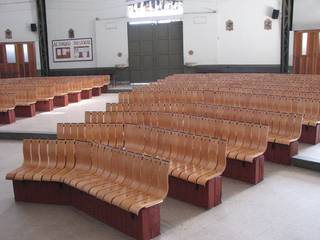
point(100, 84)
point(45, 96)
point(61, 95)
point(120, 188)
point(196, 162)
point(7, 105)
point(309, 108)
point(43, 93)
point(246, 143)
point(86, 87)
point(26, 99)
point(74, 93)
point(285, 128)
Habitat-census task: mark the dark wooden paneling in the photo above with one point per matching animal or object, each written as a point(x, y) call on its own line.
point(20, 68)
point(309, 63)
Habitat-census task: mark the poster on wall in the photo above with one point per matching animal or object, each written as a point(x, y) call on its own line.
point(72, 50)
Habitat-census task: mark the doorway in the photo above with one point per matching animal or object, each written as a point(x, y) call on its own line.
point(17, 60)
point(307, 52)
point(155, 51)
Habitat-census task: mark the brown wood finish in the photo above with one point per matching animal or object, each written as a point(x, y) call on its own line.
point(309, 63)
point(20, 68)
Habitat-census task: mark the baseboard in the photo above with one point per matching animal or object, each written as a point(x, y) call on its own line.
point(21, 136)
point(234, 69)
point(305, 163)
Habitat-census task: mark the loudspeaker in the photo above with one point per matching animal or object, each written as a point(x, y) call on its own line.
point(33, 27)
point(275, 14)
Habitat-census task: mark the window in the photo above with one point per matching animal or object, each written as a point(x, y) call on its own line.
point(11, 53)
point(25, 53)
point(155, 8)
point(304, 43)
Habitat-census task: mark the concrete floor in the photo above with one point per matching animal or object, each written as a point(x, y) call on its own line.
point(285, 206)
point(46, 122)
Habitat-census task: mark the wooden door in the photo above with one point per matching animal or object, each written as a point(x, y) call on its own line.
point(17, 60)
point(307, 52)
point(155, 51)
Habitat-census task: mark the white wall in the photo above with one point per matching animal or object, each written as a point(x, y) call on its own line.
point(200, 32)
point(306, 15)
point(85, 17)
point(111, 33)
point(17, 17)
point(112, 40)
point(204, 30)
point(248, 44)
point(63, 15)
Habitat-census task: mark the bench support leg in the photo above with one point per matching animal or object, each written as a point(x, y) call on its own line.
point(310, 134)
point(44, 106)
point(42, 192)
point(145, 226)
point(25, 111)
point(7, 117)
point(206, 197)
point(60, 101)
point(86, 94)
point(74, 97)
point(96, 91)
point(104, 89)
point(245, 171)
point(280, 153)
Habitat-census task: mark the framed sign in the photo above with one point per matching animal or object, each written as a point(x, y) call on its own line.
point(72, 50)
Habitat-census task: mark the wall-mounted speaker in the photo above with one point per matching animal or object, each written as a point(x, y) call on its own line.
point(33, 27)
point(275, 14)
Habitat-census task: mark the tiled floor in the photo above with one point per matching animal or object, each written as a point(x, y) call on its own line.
point(46, 122)
point(285, 206)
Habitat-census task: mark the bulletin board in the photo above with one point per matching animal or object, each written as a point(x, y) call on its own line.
point(72, 50)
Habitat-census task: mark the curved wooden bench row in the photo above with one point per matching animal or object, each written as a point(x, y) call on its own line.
point(294, 80)
point(196, 159)
point(227, 82)
point(237, 134)
point(65, 83)
point(104, 172)
point(42, 94)
point(196, 162)
point(117, 178)
point(284, 128)
point(312, 93)
point(309, 108)
point(245, 142)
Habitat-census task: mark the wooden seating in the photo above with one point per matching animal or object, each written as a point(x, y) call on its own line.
point(26, 99)
point(245, 142)
point(61, 93)
point(43, 93)
point(45, 96)
point(194, 160)
point(109, 184)
point(285, 128)
point(7, 105)
point(74, 94)
point(309, 108)
point(86, 88)
point(298, 94)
